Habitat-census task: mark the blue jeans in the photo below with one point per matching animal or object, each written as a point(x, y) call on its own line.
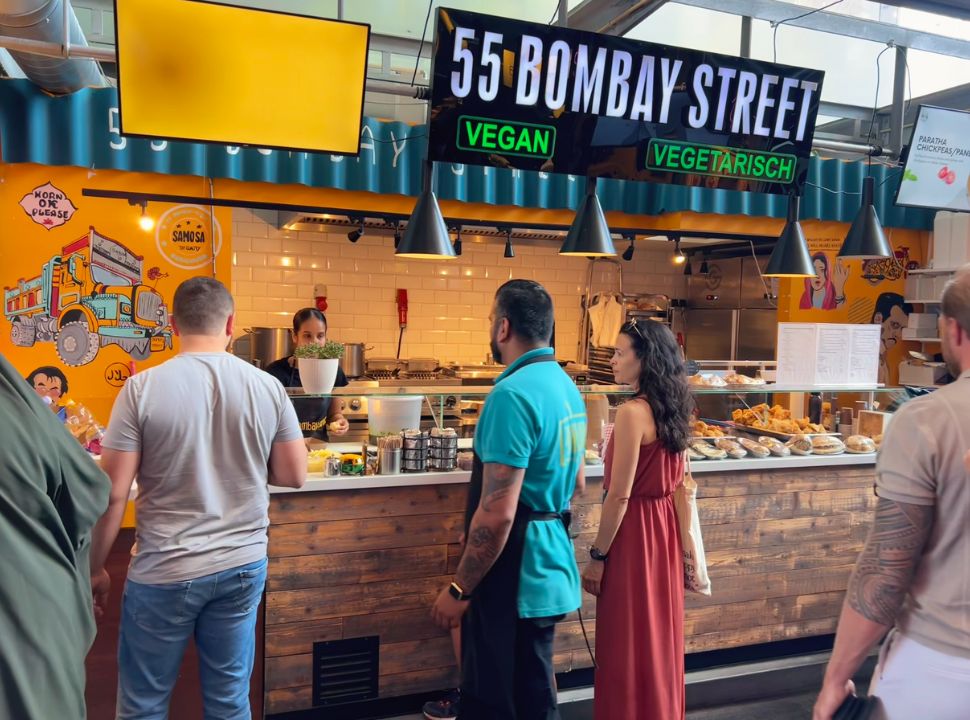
point(156, 623)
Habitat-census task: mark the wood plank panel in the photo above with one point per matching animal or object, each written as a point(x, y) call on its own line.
point(339, 536)
point(759, 634)
point(740, 588)
point(737, 616)
point(782, 481)
point(347, 600)
point(403, 657)
point(288, 508)
point(296, 638)
point(394, 627)
point(780, 547)
point(289, 699)
point(418, 681)
point(745, 534)
point(293, 573)
point(781, 558)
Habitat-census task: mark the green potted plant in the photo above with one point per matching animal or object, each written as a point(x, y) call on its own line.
point(318, 365)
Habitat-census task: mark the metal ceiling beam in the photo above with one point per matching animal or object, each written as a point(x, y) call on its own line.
point(951, 8)
point(613, 17)
point(872, 30)
point(401, 45)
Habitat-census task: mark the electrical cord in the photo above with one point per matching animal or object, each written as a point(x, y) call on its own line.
point(768, 296)
point(875, 104)
point(555, 13)
point(775, 26)
point(424, 32)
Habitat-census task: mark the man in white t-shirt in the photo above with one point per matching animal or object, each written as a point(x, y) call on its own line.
point(913, 576)
point(205, 433)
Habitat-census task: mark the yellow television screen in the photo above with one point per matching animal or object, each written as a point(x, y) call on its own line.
point(207, 72)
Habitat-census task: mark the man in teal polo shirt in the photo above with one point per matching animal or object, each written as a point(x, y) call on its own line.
point(517, 576)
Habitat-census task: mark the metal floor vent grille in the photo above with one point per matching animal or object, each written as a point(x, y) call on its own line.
point(345, 670)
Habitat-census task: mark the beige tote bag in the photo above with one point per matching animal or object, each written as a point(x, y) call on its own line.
point(695, 564)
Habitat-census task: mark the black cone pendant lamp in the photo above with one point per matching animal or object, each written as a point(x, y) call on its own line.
point(589, 235)
point(790, 258)
point(426, 235)
point(866, 239)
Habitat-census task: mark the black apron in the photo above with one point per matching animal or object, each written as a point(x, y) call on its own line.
point(490, 625)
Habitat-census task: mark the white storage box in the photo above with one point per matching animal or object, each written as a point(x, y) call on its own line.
point(959, 246)
point(920, 374)
point(922, 320)
point(913, 285)
point(919, 333)
point(940, 248)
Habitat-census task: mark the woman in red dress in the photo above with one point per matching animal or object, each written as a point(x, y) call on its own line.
point(636, 566)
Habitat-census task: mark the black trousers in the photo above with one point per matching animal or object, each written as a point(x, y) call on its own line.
point(508, 686)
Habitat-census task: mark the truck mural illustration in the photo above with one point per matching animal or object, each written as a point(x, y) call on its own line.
point(89, 296)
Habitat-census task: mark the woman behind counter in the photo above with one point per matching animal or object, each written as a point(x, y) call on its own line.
point(319, 417)
point(637, 568)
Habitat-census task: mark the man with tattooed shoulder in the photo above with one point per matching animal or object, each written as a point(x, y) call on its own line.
point(517, 576)
point(913, 577)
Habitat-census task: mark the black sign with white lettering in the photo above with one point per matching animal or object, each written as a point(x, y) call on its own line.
point(522, 95)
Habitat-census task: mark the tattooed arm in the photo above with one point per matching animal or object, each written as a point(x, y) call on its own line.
point(491, 523)
point(876, 592)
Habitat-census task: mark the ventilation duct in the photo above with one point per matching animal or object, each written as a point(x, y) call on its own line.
point(44, 21)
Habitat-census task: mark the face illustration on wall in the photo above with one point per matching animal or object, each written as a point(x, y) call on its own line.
point(825, 291)
point(892, 313)
point(48, 382)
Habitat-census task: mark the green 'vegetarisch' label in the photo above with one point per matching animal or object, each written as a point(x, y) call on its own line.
point(506, 137)
point(698, 159)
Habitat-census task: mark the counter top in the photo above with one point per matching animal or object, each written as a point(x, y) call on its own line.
point(317, 482)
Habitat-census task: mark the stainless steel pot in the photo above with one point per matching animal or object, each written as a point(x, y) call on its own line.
point(383, 365)
point(353, 362)
point(269, 344)
point(422, 364)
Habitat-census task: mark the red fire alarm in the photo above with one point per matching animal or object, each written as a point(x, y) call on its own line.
point(320, 297)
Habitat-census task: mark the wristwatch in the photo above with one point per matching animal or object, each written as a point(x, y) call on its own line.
point(596, 554)
point(456, 592)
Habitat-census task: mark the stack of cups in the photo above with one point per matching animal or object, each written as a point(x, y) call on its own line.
point(415, 451)
point(443, 449)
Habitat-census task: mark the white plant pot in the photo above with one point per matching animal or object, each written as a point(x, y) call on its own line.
point(318, 376)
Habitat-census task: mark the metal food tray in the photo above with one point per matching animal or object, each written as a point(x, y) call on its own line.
point(785, 437)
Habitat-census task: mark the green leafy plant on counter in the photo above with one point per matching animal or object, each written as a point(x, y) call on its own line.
point(331, 350)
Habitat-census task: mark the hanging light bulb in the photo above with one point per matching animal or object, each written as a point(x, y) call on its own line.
point(589, 235)
point(628, 253)
point(146, 222)
point(457, 245)
point(704, 269)
point(687, 268)
point(790, 258)
point(509, 252)
point(679, 257)
point(426, 235)
point(866, 240)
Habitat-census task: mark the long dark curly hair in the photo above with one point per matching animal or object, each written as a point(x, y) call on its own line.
point(663, 381)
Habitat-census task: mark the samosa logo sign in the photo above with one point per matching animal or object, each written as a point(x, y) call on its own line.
point(47, 206)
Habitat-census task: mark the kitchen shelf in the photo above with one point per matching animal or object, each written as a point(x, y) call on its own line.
point(933, 271)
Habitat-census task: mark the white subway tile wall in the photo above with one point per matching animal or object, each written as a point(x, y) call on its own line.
point(275, 271)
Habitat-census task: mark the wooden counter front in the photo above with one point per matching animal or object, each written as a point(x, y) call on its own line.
point(351, 563)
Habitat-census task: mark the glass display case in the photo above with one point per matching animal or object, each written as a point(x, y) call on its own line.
point(458, 407)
